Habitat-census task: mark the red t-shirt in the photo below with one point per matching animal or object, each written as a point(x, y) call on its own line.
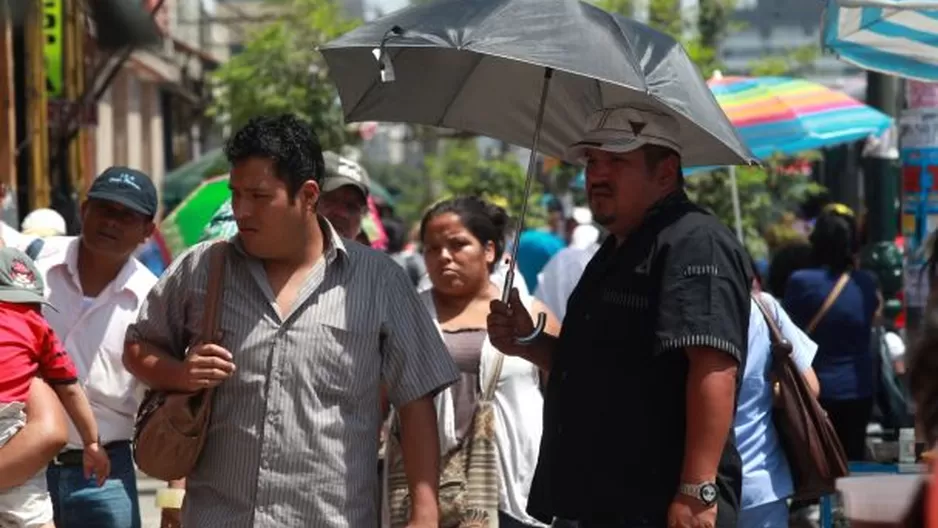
point(28, 347)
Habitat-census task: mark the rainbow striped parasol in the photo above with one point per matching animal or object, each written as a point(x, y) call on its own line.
point(781, 115)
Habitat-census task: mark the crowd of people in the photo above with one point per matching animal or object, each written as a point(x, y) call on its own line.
point(645, 402)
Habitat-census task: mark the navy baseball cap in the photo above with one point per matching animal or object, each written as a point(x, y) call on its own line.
point(129, 187)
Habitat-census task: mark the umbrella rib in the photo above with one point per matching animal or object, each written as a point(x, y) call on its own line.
point(462, 86)
point(375, 83)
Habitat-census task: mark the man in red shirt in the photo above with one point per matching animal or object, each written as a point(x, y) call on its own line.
point(29, 347)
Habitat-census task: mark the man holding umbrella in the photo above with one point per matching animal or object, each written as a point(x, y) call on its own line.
point(640, 403)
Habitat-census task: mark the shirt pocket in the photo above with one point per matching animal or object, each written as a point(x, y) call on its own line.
point(344, 362)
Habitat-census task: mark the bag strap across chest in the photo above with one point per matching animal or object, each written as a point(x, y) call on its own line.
point(211, 316)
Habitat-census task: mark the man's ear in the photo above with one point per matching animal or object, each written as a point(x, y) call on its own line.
point(667, 170)
point(309, 194)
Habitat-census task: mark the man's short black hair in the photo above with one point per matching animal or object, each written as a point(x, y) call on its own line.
point(287, 140)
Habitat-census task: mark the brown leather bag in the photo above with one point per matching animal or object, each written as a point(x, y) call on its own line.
point(171, 428)
point(811, 446)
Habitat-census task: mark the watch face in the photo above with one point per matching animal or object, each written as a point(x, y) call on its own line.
point(708, 493)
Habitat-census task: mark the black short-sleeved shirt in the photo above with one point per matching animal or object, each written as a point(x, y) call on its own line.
point(614, 416)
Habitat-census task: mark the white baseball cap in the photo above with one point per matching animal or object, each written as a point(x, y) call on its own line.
point(44, 222)
point(624, 130)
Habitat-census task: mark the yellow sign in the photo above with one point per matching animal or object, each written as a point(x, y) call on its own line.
point(53, 18)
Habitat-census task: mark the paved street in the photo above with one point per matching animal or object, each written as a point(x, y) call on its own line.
point(146, 487)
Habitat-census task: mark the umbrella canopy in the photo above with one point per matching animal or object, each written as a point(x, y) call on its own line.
point(181, 181)
point(780, 115)
point(479, 66)
point(897, 37)
point(184, 226)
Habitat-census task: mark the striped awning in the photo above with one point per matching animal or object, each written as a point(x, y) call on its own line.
point(897, 37)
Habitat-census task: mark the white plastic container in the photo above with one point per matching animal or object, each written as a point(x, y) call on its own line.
point(880, 498)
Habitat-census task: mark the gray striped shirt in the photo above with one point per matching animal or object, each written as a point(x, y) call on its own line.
point(293, 439)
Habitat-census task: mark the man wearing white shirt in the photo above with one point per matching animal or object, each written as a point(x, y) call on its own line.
point(97, 287)
point(560, 276)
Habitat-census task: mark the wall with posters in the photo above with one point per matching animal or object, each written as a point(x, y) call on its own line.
point(918, 142)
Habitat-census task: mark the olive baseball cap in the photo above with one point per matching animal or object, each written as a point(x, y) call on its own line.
point(20, 280)
point(342, 171)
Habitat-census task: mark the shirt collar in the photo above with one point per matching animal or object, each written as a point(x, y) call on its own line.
point(333, 246)
point(663, 207)
point(132, 276)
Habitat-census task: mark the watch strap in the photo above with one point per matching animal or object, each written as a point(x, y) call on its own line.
point(696, 491)
point(691, 490)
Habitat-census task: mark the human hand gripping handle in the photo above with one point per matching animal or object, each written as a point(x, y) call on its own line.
point(206, 366)
point(507, 293)
point(509, 322)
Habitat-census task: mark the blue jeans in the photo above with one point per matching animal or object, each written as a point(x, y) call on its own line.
point(80, 503)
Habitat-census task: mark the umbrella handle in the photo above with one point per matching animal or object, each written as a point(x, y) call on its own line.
point(541, 317)
point(538, 329)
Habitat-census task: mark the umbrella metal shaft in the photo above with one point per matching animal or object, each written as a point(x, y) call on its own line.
point(529, 180)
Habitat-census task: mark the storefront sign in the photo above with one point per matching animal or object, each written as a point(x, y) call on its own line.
point(53, 21)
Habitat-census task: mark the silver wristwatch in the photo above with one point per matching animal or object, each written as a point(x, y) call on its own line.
point(705, 492)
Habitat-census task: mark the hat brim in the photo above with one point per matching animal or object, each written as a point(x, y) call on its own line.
point(335, 182)
point(122, 200)
point(615, 141)
point(619, 145)
point(21, 296)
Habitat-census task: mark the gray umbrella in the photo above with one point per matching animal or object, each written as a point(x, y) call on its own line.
point(480, 65)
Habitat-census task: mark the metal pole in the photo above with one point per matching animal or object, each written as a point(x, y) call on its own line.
point(881, 182)
point(737, 210)
point(528, 181)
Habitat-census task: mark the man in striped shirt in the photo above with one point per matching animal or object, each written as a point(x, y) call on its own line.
point(311, 327)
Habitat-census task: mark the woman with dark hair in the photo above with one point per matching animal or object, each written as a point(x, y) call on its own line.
point(836, 304)
point(463, 239)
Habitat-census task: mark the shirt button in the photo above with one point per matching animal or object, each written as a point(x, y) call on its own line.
point(587, 317)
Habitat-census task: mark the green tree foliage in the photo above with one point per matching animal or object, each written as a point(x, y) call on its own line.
point(407, 184)
point(766, 195)
point(281, 70)
point(499, 179)
point(460, 169)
